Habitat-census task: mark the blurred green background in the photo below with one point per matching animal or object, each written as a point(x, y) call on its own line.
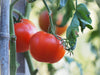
point(86, 58)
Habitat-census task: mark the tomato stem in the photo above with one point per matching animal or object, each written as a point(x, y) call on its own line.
point(30, 63)
point(27, 54)
point(13, 65)
point(53, 26)
point(76, 4)
point(27, 10)
point(17, 12)
point(50, 18)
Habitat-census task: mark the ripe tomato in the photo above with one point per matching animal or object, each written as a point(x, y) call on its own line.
point(60, 30)
point(45, 47)
point(23, 31)
point(44, 23)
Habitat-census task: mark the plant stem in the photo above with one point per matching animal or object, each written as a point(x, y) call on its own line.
point(50, 18)
point(13, 64)
point(27, 10)
point(18, 13)
point(76, 4)
point(30, 63)
point(27, 54)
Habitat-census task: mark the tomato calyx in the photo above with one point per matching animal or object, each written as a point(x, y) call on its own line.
point(65, 44)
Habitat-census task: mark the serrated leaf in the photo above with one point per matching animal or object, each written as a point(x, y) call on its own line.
point(72, 32)
point(84, 16)
point(69, 7)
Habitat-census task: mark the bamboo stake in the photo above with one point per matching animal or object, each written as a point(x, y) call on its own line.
point(4, 37)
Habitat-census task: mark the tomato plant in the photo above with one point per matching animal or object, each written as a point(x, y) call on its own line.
point(24, 30)
point(44, 23)
point(45, 47)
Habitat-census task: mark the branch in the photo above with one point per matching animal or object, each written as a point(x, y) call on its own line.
point(27, 10)
point(18, 13)
point(13, 63)
point(50, 18)
point(30, 63)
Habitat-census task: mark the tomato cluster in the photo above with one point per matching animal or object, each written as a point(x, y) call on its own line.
point(44, 47)
point(44, 23)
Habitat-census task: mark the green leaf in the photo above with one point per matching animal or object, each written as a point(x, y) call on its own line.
point(89, 26)
point(84, 16)
point(72, 32)
point(83, 12)
point(84, 24)
point(69, 7)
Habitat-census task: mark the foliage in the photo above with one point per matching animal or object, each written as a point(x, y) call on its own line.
point(81, 18)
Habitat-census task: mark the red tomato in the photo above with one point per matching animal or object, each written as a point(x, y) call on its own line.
point(23, 31)
point(45, 47)
point(44, 23)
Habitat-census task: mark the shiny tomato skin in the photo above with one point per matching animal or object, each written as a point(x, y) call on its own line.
point(24, 31)
point(44, 23)
point(45, 47)
point(60, 30)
